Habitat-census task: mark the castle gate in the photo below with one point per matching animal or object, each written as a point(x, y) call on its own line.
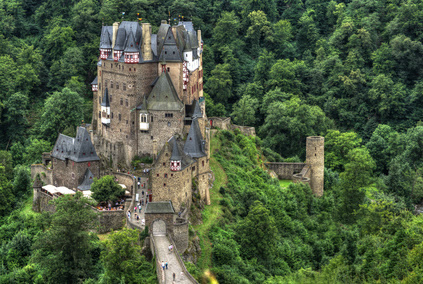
point(159, 228)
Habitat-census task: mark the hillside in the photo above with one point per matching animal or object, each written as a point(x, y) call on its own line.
point(257, 231)
point(350, 71)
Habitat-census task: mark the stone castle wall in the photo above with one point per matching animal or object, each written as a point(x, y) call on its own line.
point(180, 234)
point(41, 201)
point(71, 174)
point(161, 130)
point(285, 170)
point(46, 175)
point(110, 220)
point(169, 185)
point(167, 218)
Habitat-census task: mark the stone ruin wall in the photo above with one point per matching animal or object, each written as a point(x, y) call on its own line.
point(46, 175)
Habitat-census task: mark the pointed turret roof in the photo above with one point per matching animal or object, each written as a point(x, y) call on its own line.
point(176, 155)
point(164, 96)
point(193, 145)
point(88, 180)
point(106, 101)
point(95, 82)
point(197, 110)
point(130, 44)
point(105, 39)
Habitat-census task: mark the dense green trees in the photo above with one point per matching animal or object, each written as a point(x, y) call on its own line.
point(64, 252)
point(123, 261)
point(106, 189)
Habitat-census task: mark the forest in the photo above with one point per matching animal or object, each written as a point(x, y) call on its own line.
point(350, 71)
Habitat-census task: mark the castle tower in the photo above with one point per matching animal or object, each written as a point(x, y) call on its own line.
point(315, 158)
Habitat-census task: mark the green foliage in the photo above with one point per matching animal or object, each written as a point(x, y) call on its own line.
point(61, 110)
point(106, 189)
point(64, 252)
point(22, 181)
point(33, 151)
point(244, 111)
point(289, 123)
point(337, 147)
point(123, 261)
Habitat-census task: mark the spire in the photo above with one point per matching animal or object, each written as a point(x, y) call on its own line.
point(176, 155)
point(197, 110)
point(106, 100)
point(144, 104)
point(130, 45)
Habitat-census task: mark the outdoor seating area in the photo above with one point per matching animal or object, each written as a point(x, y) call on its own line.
point(56, 191)
point(117, 206)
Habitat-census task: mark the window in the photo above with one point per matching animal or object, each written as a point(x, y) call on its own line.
point(99, 114)
point(111, 84)
point(131, 56)
point(124, 86)
point(168, 124)
point(165, 176)
point(171, 175)
point(193, 168)
point(112, 114)
point(135, 69)
point(99, 86)
point(165, 52)
point(117, 84)
point(111, 65)
point(168, 114)
point(126, 102)
point(151, 137)
point(203, 163)
point(120, 117)
point(121, 102)
point(164, 184)
point(130, 69)
point(164, 164)
point(110, 99)
point(158, 175)
point(151, 118)
point(99, 99)
point(106, 83)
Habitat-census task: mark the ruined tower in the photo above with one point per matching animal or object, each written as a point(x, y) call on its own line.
point(315, 158)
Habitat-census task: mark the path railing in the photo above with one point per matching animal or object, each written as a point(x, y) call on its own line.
point(159, 271)
point(181, 263)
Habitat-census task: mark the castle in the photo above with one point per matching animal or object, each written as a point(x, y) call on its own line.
point(147, 101)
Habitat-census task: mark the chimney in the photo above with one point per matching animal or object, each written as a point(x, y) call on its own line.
point(146, 42)
point(199, 38)
point(115, 29)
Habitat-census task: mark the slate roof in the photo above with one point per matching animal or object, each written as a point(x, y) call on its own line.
point(197, 110)
point(106, 37)
point(143, 106)
point(194, 145)
point(162, 207)
point(78, 149)
point(161, 35)
point(176, 154)
point(95, 82)
point(130, 45)
point(164, 96)
point(88, 180)
point(106, 100)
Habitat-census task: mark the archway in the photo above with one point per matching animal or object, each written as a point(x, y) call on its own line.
point(159, 228)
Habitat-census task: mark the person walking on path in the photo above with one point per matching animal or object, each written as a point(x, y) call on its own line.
point(139, 207)
point(174, 276)
point(166, 265)
point(163, 265)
